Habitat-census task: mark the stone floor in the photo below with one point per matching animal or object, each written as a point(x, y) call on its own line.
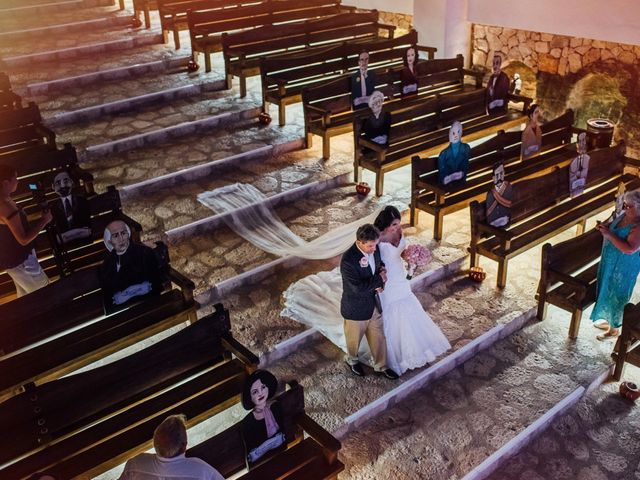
point(597, 440)
point(442, 431)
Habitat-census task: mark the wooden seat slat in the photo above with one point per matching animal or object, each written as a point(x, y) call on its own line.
point(543, 208)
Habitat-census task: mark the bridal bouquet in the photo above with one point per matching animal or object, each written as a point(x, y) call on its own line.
point(415, 256)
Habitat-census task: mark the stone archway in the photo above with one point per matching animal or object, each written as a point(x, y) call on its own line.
point(527, 75)
point(596, 95)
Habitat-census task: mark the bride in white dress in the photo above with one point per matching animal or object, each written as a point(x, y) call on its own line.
point(413, 339)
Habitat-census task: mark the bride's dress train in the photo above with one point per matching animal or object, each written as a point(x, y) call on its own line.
point(413, 339)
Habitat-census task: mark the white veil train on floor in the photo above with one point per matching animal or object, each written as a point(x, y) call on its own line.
point(246, 212)
point(313, 300)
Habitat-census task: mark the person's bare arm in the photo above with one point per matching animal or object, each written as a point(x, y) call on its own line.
point(628, 246)
point(15, 226)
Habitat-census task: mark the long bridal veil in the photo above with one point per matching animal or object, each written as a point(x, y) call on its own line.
point(246, 211)
point(313, 300)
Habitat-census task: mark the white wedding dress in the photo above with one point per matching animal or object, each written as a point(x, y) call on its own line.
point(413, 339)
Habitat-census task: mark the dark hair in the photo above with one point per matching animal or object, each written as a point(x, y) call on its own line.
point(497, 165)
point(532, 109)
point(367, 233)
point(267, 378)
point(7, 172)
point(386, 217)
point(404, 57)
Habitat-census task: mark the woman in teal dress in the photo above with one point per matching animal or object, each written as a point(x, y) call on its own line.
point(619, 266)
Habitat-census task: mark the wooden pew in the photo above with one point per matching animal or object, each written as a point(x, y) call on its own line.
point(423, 129)
point(59, 260)
point(311, 458)
point(568, 276)
point(173, 13)
point(327, 107)
point(285, 76)
point(144, 7)
point(9, 100)
point(90, 422)
point(626, 349)
point(22, 128)
point(62, 327)
point(542, 208)
point(242, 51)
point(206, 27)
point(439, 200)
point(38, 165)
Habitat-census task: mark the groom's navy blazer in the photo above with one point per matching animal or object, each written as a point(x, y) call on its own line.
point(359, 285)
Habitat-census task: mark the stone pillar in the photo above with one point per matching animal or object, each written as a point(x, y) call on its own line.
point(443, 24)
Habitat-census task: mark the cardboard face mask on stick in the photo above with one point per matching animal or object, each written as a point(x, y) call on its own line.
point(453, 161)
point(499, 199)
point(579, 168)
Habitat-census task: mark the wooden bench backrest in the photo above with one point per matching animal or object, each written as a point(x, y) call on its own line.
point(61, 406)
point(421, 117)
point(205, 23)
point(335, 96)
point(434, 76)
point(261, 39)
point(47, 306)
point(534, 194)
point(461, 106)
point(225, 451)
point(573, 254)
point(20, 117)
point(338, 58)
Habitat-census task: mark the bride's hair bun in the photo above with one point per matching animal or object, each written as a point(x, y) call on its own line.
point(386, 217)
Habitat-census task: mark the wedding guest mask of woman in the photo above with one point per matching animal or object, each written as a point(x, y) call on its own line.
point(375, 103)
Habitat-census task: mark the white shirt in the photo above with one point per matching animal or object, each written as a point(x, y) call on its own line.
point(371, 258)
point(148, 466)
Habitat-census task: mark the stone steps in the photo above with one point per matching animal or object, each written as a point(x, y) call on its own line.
point(109, 97)
point(80, 71)
point(596, 439)
point(115, 42)
point(83, 38)
point(450, 428)
point(159, 184)
point(43, 14)
point(156, 123)
point(119, 19)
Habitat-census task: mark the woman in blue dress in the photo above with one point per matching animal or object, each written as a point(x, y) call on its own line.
point(619, 266)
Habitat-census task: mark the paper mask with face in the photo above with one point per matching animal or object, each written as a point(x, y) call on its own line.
point(117, 237)
point(62, 184)
point(375, 102)
point(499, 199)
point(363, 62)
point(455, 132)
point(496, 65)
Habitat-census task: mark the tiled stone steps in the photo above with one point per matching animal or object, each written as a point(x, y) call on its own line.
point(29, 35)
point(157, 123)
point(218, 257)
point(597, 439)
point(450, 428)
point(81, 71)
point(138, 73)
point(190, 158)
point(88, 49)
point(83, 104)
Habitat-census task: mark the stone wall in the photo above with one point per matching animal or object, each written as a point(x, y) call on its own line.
point(595, 78)
point(400, 20)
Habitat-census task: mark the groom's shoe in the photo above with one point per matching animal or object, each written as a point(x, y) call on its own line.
point(390, 374)
point(357, 369)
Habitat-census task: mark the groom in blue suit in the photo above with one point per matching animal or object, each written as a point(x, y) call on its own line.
point(363, 277)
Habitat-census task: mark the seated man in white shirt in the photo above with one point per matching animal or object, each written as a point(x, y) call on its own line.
point(169, 462)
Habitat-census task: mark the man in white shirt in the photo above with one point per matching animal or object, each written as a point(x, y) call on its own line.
point(169, 462)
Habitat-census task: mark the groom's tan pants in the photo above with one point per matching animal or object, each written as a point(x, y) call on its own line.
point(373, 328)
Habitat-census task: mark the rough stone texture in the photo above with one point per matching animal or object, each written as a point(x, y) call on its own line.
point(557, 67)
point(596, 440)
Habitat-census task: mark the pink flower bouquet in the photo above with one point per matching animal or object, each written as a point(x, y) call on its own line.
point(415, 256)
